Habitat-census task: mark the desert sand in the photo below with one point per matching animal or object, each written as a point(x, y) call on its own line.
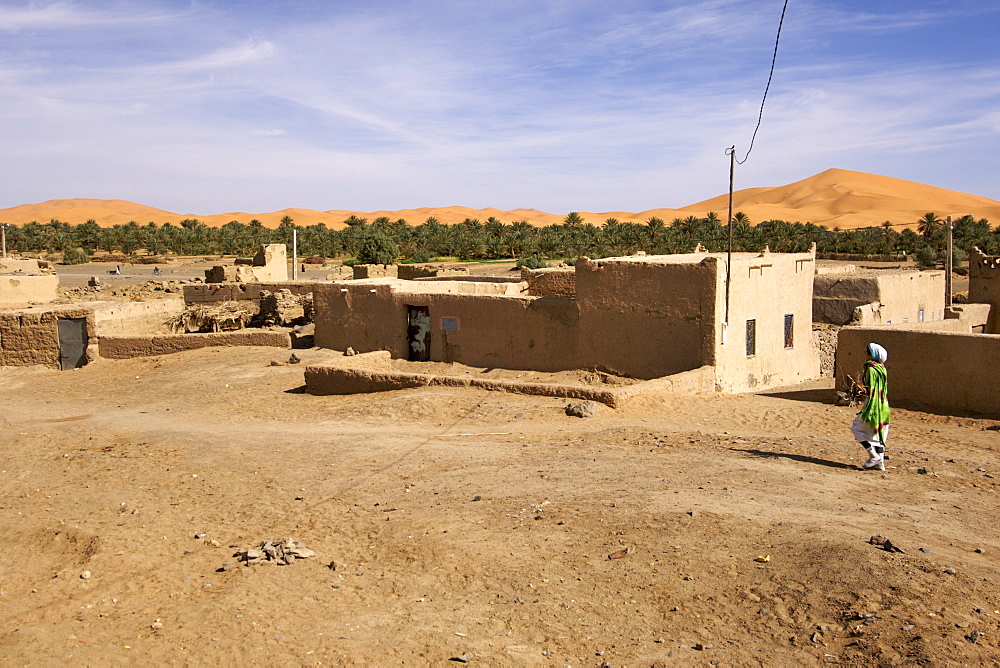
point(457, 523)
point(835, 198)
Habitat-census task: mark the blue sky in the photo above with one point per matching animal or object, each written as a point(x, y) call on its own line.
point(209, 106)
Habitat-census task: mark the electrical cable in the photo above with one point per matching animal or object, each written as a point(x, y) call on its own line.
point(774, 58)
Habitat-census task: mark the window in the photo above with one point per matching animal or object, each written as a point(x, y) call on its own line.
point(751, 338)
point(449, 324)
point(789, 329)
point(921, 315)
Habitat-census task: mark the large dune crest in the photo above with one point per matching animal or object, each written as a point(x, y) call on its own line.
point(835, 198)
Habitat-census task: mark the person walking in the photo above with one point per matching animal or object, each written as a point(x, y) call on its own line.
point(871, 426)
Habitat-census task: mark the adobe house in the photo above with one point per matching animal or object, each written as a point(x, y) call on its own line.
point(643, 316)
point(984, 285)
point(873, 297)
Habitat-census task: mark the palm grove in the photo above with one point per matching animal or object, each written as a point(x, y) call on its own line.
point(383, 240)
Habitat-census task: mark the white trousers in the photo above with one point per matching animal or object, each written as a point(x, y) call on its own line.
point(866, 434)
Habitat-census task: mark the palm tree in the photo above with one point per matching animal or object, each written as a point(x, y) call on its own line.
point(573, 219)
point(929, 224)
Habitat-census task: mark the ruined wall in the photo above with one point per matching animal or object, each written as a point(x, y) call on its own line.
point(10, 265)
point(903, 297)
point(375, 271)
point(984, 285)
point(127, 347)
point(18, 289)
point(134, 318)
point(645, 318)
point(939, 371)
point(765, 288)
point(31, 336)
point(554, 282)
point(413, 271)
point(269, 265)
point(228, 292)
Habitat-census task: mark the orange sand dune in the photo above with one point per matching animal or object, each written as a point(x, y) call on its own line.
point(835, 198)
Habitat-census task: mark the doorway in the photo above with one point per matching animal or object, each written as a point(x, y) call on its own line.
point(418, 333)
point(72, 343)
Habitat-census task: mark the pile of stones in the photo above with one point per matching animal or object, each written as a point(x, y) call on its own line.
point(283, 552)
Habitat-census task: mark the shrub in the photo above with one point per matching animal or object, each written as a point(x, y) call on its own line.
point(377, 248)
point(75, 256)
point(926, 257)
point(534, 261)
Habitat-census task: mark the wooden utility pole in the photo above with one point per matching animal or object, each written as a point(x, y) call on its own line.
point(729, 253)
point(948, 265)
point(3, 238)
point(295, 253)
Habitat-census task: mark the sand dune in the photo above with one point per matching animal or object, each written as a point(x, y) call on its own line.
point(835, 198)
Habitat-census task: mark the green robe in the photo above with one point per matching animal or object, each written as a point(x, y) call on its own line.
point(876, 410)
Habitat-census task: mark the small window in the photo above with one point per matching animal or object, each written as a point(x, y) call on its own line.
point(449, 324)
point(789, 329)
point(921, 315)
point(751, 338)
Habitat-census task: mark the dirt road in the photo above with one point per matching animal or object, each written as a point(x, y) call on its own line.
point(456, 523)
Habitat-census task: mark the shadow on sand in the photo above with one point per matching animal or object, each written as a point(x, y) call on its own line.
point(805, 459)
point(823, 395)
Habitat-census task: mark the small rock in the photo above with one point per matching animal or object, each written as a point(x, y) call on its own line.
point(462, 658)
point(349, 352)
point(294, 359)
point(213, 543)
point(702, 646)
point(981, 469)
point(583, 409)
point(922, 471)
point(926, 550)
point(979, 550)
point(908, 627)
point(950, 571)
point(277, 363)
point(477, 498)
point(199, 536)
point(85, 575)
point(830, 658)
point(974, 637)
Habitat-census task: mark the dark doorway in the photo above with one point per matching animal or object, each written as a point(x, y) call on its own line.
point(418, 333)
point(72, 343)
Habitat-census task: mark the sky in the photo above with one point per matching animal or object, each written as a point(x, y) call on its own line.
point(214, 106)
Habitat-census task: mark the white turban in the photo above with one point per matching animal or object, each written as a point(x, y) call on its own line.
point(877, 353)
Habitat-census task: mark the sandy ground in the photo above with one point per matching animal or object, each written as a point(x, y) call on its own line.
point(460, 523)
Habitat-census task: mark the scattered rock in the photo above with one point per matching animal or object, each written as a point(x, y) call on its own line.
point(462, 658)
point(477, 498)
point(619, 554)
point(922, 471)
point(974, 637)
point(583, 409)
point(950, 571)
point(294, 359)
point(979, 550)
point(85, 575)
point(277, 363)
point(349, 352)
point(156, 625)
point(285, 551)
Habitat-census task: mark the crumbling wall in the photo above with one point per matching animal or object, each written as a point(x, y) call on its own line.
point(984, 285)
point(899, 296)
point(231, 292)
point(134, 318)
point(938, 371)
point(269, 265)
point(284, 308)
point(551, 282)
point(126, 347)
point(375, 271)
point(414, 271)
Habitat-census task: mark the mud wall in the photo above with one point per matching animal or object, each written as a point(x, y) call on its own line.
point(984, 285)
point(24, 289)
point(31, 336)
point(126, 347)
point(134, 318)
point(902, 297)
point(645, 319)
point(225, 292)
point(555, 282)
point(939, 371)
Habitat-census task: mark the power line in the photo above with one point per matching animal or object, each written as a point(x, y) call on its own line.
point(774, 58)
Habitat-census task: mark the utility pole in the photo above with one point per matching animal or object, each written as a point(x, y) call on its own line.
point(948, 265)
point(295, 253)
point(3, 238)
point(729, 253)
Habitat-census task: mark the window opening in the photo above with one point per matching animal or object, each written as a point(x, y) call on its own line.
point(751, 338)
point(789, 329)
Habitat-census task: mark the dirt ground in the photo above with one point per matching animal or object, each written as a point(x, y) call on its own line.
point(487, 527)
